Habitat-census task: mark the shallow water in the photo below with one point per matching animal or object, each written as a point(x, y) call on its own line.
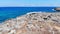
point(12, 12)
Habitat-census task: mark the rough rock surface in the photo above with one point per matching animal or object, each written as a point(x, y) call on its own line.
point(34, 23)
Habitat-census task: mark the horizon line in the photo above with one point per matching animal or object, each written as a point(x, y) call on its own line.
point(29, 6)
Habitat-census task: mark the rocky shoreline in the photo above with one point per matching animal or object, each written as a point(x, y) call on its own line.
point(33, 23)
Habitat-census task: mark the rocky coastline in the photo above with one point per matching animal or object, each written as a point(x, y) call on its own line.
point(32, 23)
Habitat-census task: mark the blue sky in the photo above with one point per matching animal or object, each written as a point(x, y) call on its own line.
point(6, 3)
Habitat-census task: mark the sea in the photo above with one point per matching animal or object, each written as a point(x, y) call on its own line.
point(13, 12)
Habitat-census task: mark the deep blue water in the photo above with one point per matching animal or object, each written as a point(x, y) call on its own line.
point(12, 12)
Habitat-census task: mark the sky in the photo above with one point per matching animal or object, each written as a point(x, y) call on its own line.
point(29, 3)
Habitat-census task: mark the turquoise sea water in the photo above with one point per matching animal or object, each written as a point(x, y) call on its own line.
point(12, 12)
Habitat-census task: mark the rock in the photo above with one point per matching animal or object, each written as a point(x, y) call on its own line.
point(33, 23)
point(57, 9)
